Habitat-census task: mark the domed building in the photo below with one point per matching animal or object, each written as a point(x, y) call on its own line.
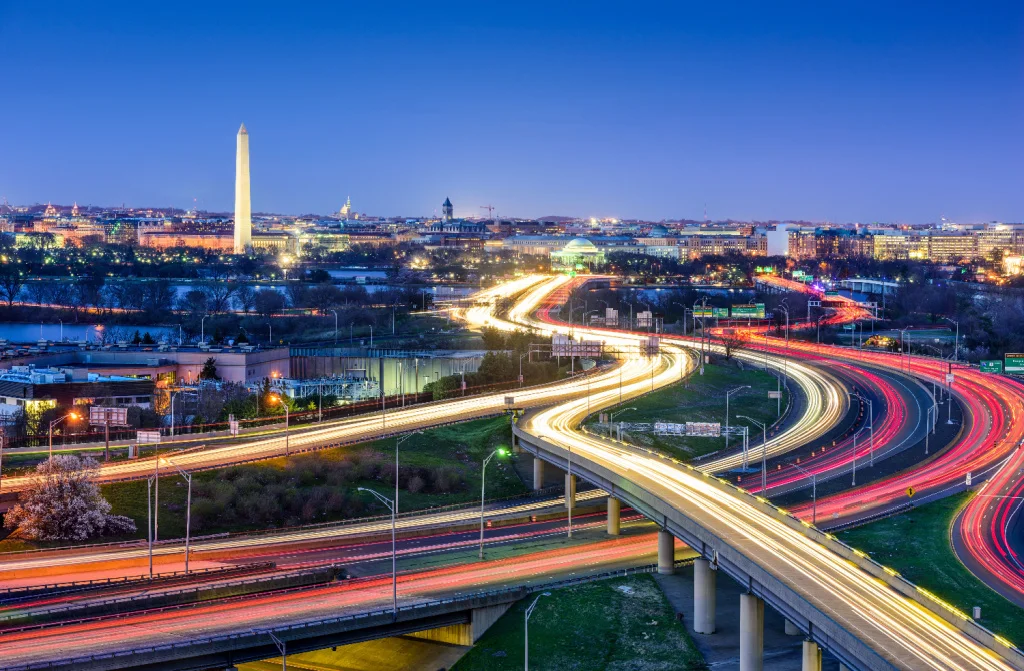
point(657, 231)
point(578, 254)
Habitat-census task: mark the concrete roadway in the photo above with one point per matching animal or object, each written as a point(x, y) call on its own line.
point(582, 558)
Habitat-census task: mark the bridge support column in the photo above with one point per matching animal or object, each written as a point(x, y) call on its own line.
point(570, 491)
point(666, 553)
point(751, 633)
point(810, 656)
point(843, 667)
point(792, 629)
point(538, 473)
point(614, 509)
point(703, 597)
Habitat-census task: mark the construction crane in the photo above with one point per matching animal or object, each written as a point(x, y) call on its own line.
point(490, 210)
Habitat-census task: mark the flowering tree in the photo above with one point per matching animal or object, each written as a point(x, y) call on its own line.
point(63, 502)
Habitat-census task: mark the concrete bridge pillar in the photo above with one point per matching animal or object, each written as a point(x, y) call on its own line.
point(751, 633)
point(810, 656)
point(614, 508)
point(666, 553)
point(792, 629)
point(703, 597)
point(480, 620)
point(570, 491)
point(538, 473)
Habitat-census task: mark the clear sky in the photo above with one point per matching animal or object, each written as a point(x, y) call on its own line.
point(845, 111)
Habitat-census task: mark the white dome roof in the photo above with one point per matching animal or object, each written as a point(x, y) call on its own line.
point(581, 245)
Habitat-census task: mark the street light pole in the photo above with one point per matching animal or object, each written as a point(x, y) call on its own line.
point(764, 450)
point(526, 630)
point(483, 482)
point(871, 422)
point(956, 344)
point(814, 492)
point(335, 326)
point(394, 572)
point(612, 416)
point(71, 415)
point(188, 513)
point(149, 522)
point(727, 395)
point(202, 329)
point(287, 423)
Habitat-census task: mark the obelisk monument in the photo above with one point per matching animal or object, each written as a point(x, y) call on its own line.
point(243, 206)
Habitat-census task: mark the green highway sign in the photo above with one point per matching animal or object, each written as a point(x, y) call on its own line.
point(755, 311)
point(721, 312)
point(704, 312)
point(993, 366)
point(1014, 363)
point(831, 293)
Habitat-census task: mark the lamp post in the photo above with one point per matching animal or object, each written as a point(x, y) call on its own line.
point(871, 422)
point(394, 572)
point(521, 357)
point(202, 329)
point(149, 522)
point(398, 441)
point(764, 450)
point(70, 415)
point(785, 308)
point(483, 481)
point(684, 314)
point(188, 509)
point(902, 355)
point(853, 482)
point(282, 647)
point(570, 497)
point(956, 343)
point(814, 491)
point(612, 416)
point(287, 424)
point(335, 326)
point(727, 395)
point(526, 630)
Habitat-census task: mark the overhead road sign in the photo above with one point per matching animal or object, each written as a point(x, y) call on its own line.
point(992, 366)
point(1014, 363)
point(754, 311)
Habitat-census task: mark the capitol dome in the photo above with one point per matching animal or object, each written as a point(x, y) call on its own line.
point(657, 232)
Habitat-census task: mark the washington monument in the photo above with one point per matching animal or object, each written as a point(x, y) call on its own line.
point(243, 206)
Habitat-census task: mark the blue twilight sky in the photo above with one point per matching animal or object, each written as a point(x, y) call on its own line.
point(846, 111)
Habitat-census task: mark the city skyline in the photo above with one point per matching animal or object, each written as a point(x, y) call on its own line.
point(829, 115)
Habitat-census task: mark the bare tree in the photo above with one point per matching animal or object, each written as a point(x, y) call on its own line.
point(218, 295)
point(245, 298)
point(11, 283)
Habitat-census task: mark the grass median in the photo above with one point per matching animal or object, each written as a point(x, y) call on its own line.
point(916, 544)
point(625, 623)
point(702, 399)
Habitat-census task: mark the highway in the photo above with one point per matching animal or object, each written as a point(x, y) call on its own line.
point(987, 533)
point(275, 610)
point(899, 629)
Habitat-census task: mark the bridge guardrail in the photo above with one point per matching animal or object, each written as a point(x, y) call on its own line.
point(952, 615)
